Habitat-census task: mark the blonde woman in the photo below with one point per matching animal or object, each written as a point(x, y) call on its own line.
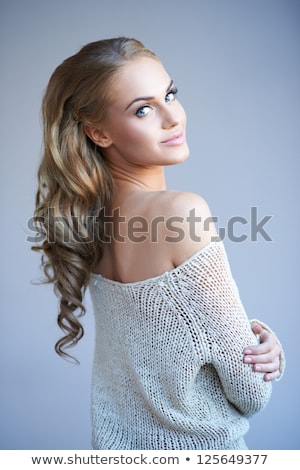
point(177, 364)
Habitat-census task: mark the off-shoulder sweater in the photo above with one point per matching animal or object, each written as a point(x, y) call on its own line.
point(168, 369)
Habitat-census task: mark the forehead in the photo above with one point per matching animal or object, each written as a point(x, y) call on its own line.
point(142, 76)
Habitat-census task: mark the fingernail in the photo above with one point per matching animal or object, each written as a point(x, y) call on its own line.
point(248, 351)
point(247, 359)
point(258, 368)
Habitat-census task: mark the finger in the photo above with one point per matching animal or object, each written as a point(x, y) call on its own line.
point(257, 328)
point(272, 376)
point(262, 348)
point(262, 359)
point(271, 356)
point(256, 350)
point(266, 368)
point(268, 344)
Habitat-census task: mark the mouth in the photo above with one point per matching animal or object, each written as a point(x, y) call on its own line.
point(177, 138)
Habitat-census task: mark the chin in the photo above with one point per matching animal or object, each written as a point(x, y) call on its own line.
point(180, 157)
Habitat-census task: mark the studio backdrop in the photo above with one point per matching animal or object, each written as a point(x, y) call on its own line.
point(236, 64)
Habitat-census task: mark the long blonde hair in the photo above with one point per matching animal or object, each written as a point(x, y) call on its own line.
point(74, 184)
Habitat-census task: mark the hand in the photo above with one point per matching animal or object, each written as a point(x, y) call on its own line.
point(265, 356)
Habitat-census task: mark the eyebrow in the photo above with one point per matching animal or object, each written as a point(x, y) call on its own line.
point(148, 98)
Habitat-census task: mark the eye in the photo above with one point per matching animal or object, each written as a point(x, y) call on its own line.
point(170, 96)
point(143, 111)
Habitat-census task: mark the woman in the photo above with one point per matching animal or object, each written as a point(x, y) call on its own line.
point(177, 365)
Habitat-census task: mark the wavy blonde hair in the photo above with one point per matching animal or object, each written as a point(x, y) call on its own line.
point(74, 183)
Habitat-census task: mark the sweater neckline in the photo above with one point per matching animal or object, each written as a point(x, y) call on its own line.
point(99, 277)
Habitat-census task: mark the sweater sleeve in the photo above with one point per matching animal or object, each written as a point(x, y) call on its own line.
point(219, 312)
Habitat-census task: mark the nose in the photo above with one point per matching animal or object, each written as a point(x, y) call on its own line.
point(170, 115)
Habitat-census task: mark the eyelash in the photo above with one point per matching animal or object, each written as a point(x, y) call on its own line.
point(173, 91)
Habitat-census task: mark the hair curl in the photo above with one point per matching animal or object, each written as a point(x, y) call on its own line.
point(74, 183)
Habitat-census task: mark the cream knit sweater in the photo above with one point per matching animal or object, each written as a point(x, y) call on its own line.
point(168, 368)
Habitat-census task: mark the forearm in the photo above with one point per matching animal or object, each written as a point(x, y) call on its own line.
point(244, 388)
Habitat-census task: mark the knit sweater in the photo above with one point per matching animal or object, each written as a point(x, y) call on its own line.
point(168, 369)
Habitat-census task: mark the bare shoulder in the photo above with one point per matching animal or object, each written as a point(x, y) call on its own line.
point(188, 223)
point(178, 202)
point(183, 205)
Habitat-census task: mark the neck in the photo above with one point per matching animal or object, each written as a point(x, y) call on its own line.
point(139, 178)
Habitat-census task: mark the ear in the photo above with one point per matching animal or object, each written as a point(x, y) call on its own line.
point(98, 135)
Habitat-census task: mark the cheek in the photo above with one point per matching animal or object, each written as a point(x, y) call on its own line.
point(138, 134)
point(124, 134)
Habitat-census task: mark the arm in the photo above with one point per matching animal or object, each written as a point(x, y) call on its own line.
point(267, 357)
point(227, 324)
point(219, 311)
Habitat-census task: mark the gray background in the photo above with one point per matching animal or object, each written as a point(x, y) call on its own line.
point(236, 64)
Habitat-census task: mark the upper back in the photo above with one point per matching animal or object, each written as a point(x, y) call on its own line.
point(153, 232)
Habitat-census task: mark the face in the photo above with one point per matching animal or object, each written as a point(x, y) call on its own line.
point(145, 123)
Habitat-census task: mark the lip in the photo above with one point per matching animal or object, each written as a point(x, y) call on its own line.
point(177, 138)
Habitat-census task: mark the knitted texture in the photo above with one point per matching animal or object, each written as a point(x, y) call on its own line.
point(168, 369)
